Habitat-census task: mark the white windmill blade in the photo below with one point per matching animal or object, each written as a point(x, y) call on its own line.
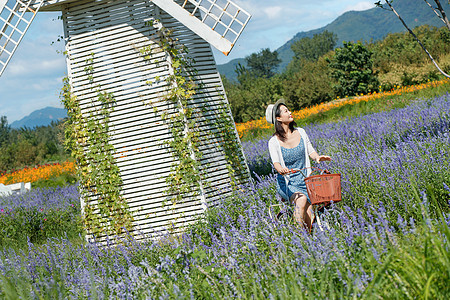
point(15, 18)
point(2, 4)
point(219, 22)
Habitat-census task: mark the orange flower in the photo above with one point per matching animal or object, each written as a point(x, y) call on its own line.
point(243, 128)
point(39, 172)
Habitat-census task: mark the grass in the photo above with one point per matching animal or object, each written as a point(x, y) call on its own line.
point(64, 179)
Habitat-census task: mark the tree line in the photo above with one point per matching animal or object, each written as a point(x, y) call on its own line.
point(319, 72)
point(30, 146)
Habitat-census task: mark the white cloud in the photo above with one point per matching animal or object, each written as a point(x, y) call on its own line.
point(359, 6)
point(35, 67)
point(273, 12)
point(19, 98)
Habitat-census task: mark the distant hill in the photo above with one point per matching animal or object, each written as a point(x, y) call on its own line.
point(372, 24)
point(41, 117)
point(228, 69)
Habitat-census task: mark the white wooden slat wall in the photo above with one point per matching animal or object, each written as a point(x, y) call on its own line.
point(114, 32)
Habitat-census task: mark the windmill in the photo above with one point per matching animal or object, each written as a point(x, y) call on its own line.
point(110, 34)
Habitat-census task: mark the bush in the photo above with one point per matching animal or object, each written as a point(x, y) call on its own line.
point(408, 79)
point(386, 86)
point(62, 180)
point(309, 86)
point(249, 98)
point(352, 70)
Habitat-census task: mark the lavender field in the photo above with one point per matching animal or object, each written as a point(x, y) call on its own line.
point(383, 155)
point(388, 238)
point(38, 215)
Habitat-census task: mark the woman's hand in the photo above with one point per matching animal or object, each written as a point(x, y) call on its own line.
point(280, 169)
point(284, 171)
point(320, 158)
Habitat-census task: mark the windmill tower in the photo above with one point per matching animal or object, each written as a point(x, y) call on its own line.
point(108, 36)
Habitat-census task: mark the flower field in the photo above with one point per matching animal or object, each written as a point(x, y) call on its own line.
point(39, 214)
point(261, 123)
point(383, 151)
point(389, 237)
point(37, 173)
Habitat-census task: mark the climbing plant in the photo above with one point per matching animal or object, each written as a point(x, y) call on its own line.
point(87, 135)
point(185, 175)
point(236, 166)
point(187, 172)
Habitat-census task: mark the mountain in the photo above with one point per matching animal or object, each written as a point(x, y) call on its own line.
point(41, 117)
point(372, 24)
point(228, 69)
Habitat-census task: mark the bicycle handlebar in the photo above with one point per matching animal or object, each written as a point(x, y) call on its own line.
point(322, 171)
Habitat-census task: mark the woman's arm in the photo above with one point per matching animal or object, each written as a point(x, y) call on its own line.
point(275, 157)
point(318, 158)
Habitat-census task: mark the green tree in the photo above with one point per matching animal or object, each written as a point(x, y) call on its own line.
point(310, 85)
point(5, 130)
point(261, 64)
point(401, 52)
point(440, 13)
point(250, 97)
point(352, 69)
point(308, 50)
point(311, 49)
point(30, 146)
point(26, 153)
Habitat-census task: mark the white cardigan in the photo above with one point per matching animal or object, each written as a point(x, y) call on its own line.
point(276, 155)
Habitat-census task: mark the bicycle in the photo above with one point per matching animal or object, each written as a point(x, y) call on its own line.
point(323, 190)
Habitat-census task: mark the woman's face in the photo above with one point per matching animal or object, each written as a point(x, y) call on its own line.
point(285, 115)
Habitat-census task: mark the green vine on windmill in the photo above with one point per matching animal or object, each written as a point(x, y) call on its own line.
point(87, 135)
point(236, 165)
point(186, 172)
point(185, 176)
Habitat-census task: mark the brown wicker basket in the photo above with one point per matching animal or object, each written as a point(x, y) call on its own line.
point(324, 188)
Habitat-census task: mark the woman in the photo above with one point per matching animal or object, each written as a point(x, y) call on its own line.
point(290, 148)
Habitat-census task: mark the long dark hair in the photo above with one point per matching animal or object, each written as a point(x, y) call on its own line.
point(279, 130)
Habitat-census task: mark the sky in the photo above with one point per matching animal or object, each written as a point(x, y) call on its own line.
point(33, 77)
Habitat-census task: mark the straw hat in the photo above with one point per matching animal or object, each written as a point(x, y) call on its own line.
point(271, 110)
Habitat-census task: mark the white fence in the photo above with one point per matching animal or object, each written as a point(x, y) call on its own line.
point(16, 188)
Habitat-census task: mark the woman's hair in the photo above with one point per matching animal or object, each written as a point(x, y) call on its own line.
point(279, 130)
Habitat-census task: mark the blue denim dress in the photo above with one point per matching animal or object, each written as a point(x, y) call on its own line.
point(293, 159)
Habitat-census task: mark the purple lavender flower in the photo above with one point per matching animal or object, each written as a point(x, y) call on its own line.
point(238, 246)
